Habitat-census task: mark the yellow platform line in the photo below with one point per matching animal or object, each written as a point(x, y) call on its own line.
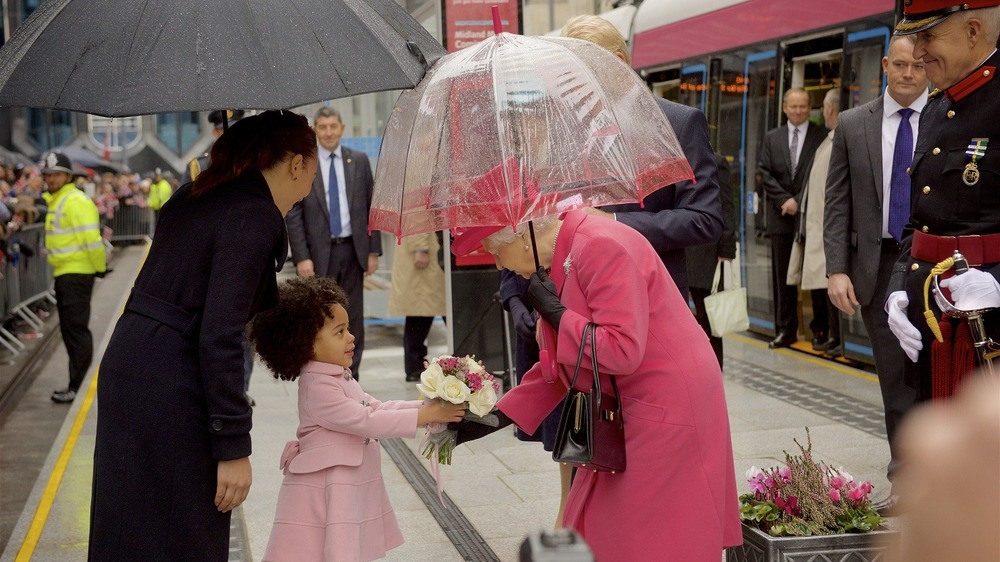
point(41, 517)
point(55, 479)
point(803, 356)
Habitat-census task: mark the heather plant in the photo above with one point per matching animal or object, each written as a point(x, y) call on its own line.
point(806, 497)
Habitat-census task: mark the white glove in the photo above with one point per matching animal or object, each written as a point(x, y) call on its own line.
point(973, 290)
point(907, 334)
point(942, 302)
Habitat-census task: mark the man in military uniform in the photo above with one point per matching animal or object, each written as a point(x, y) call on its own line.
point(955, 190)
point(218, 120)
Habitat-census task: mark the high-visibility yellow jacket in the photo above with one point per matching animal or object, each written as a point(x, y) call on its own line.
point(73, 233)
point(159, 192)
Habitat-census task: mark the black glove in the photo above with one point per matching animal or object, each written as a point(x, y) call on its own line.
point(101, 274)
point(524, 320)
point(469, 430)
point(542, 297)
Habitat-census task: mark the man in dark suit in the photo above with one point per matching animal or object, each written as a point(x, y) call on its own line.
point(859, 239)
point(785, 157)
point(687, 213)
point(337, 244)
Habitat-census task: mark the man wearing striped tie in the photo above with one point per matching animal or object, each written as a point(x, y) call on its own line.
point(785, 157)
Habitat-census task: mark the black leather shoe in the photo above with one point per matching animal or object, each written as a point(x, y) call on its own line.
point(781, 340)
point(412, 377)
point(829, 345)
point(889, 507)
point(819, 338)
point(64, 396)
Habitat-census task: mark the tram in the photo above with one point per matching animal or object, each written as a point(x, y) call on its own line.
point(733, 59)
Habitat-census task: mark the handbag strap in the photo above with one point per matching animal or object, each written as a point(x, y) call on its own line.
point(595, 391)
point(717, 277)
point(579, 358)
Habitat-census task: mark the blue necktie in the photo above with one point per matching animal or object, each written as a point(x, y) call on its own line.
point(333, 192)
point(899, 181)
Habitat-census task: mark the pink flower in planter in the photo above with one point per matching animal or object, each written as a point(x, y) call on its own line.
point(835, 494)
point(838, 482)
point(856, 494)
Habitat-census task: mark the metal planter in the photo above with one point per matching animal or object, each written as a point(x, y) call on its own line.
point(760, 547)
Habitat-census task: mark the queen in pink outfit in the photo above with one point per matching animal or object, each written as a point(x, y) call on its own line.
point(332, 505)
point(677, 498)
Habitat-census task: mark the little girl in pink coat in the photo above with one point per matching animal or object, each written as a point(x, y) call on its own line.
point(333, 505)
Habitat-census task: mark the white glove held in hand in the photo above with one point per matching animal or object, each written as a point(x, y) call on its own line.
point(907, 334)
point(973, 290)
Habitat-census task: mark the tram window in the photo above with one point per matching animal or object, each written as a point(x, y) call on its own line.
point(863, 73)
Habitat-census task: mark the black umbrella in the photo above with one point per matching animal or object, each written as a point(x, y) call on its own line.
point(88, 159)
point(136, 57)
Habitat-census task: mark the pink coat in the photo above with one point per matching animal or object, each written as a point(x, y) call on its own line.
point(677, 498)
point(333, 505)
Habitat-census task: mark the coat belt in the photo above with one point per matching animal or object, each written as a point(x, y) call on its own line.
point(977, 249)
point(166, 313)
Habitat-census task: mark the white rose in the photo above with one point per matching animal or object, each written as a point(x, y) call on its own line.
point(752, 472)
point(473, 366)
point(431, 380)
point(482, 402)
point(453, 390)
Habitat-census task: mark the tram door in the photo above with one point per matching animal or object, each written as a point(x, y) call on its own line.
point(813, 64)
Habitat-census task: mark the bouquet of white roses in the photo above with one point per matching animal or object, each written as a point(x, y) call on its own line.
point(457, 380)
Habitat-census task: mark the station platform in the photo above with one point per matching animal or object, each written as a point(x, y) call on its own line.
point(498, 489)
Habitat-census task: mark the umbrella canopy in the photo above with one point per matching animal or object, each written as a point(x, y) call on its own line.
point(128, 57)
point(516, 128)
point(87, 159)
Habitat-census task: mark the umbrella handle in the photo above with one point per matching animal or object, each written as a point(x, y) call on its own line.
point(497, 24)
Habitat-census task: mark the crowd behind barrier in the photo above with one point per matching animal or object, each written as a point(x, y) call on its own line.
point(26, 287)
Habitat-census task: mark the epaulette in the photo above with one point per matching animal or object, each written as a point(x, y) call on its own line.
point(934, 93)
point(967, 86)
point(194, 168)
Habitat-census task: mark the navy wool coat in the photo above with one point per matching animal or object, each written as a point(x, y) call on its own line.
point(170, 391)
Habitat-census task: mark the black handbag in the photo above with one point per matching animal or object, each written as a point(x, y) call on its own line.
point(591, 432)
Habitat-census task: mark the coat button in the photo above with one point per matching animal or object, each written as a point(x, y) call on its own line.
point(986, 73)
point(951, 114)
point(915, 267)
point(907, 171)
point(927, 189)
point(217, 425)
point(368, 440)
point(936, 151)
point(925, 228)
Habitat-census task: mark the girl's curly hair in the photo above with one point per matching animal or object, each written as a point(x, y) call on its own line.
point(284, 335)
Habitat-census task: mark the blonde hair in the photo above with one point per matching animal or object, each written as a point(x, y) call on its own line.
point(599, 31)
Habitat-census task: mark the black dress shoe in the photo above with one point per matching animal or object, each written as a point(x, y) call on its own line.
point(781, 340)
point(819, 338)
point(829, 345)
point(412, 377)
point(889, 507)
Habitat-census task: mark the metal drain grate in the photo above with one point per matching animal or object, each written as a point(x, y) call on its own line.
point(834, 405)
point(468, 542)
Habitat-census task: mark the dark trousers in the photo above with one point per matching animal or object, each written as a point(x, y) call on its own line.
point(73, 291)
point(826, 317)
point(786, 297)
point(415, 331)
point(898, 397)
point(698, 296)
point(346, 270)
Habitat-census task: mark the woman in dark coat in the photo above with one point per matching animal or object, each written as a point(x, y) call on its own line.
point(173, 428)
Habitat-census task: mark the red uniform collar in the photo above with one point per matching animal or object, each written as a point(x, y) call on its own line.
point(965, 87)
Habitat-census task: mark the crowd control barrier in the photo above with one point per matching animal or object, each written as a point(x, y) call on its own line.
point(27, 279)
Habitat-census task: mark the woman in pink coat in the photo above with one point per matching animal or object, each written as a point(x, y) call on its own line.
point(677, 498)
point(333, 505)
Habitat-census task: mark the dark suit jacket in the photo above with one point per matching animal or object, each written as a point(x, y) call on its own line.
point(775, 167)
point(309, 220)
point(852, 224)
point(703, 259)
point(687, 213)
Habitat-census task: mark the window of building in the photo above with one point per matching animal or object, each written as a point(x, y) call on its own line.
point(48, 128)
point(179, 131)
point(115, 134)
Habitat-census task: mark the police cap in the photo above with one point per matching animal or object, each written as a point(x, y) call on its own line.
point(56, 162)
